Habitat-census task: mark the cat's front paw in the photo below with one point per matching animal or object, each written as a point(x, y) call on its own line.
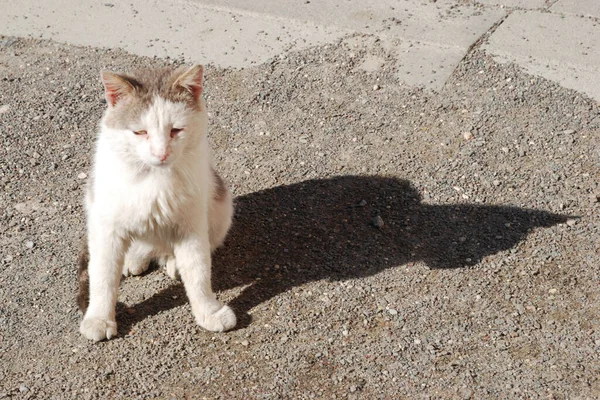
point(221, 320)
point(97, 329)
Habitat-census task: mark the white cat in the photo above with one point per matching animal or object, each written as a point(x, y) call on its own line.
point(153, 193)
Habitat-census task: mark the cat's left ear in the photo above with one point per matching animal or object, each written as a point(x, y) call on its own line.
point(191, 80)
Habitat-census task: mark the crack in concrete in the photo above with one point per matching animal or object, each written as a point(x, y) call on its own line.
point(480, 40)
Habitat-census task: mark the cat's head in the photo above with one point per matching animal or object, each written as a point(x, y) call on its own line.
point(154, 116)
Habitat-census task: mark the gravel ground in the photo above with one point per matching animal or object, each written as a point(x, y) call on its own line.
point(389, 242)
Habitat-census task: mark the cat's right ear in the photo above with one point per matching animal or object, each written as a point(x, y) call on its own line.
point(115, 87)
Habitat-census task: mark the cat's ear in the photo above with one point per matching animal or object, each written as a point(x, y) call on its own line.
point(191, 80)
point(116, 86)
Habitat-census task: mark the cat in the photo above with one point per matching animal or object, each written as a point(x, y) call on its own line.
point(153, 194)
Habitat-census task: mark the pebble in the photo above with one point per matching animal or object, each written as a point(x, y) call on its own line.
point(391, 311)
point(569, 132)
point(571, 222)
point(23, 388)
point(362, 203)
point(468, 136)
point(553, 291)
point(245, 343)
point(466, 393)
point(378, 222)
point(29, 244)
point(376, 87)
point(82, 175)
point(4, 108)
point(496, 182)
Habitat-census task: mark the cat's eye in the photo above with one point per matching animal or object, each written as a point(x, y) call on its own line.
point(175, 131)
point(140, 132)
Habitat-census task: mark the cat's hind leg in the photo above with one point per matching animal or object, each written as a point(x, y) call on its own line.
point(168, 263)
point(138, 257)
point(220, 213)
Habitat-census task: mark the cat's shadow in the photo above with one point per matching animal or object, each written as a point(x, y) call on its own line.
point(332, 229)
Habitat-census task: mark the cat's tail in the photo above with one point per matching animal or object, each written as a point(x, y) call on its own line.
point(83, 277)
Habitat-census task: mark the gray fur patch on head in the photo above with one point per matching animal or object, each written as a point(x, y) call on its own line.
point(147, 84)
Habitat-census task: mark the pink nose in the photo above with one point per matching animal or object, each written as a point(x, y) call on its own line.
point(162, 157)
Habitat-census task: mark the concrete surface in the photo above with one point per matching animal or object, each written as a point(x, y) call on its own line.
point(529, 4)
point(177, 29)
point(428, 38)
point(588, 8)
point(566, 50)
point(431, 38)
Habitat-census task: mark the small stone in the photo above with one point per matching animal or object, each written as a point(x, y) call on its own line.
point(302, 139)
point(378, 222)
point(353, 388)
point(376, 87)
point(466, 393)
point(82, 175)
point(569, 131)
point(553, 291)
point(417, 341)
point(245, 343)
point(595, 197)
point(571, 222)
point(362, 203)
point(496, 182)
point(468, 136)
point(23, 388)
point(4, 108)
point(391, 311)
point(29, 244)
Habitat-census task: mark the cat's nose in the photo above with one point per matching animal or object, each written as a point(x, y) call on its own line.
point(161, 156)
